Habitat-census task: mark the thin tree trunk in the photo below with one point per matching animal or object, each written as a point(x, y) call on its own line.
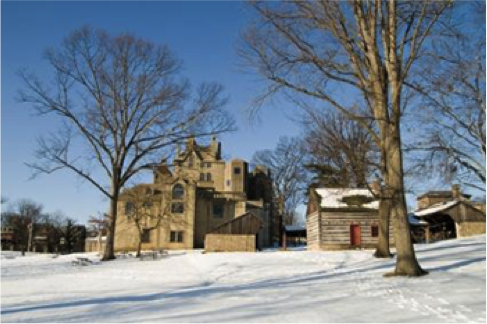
point(139, 247)
point(382, 250)
point(109, 253)
point(406, 264)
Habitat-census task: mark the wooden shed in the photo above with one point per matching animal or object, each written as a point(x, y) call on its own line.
point(342, 218)
point(238, 234)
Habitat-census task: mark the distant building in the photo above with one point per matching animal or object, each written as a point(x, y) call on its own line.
point(447, 214)
point(200, 192)
point(342, 218)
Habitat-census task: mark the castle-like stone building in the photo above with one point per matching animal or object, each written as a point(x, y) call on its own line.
point(186, 201)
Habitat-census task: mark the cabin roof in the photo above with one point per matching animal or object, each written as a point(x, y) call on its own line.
point(331, 197)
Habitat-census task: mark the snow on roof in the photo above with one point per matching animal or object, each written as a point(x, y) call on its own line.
point(435, 208)
point(291, 228)
point(331, 197)
point(413, 220)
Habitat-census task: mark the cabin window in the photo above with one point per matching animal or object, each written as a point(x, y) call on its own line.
point(236, 170)
point(129, 208)
point(178, 192)
point(177, 208)
point(145, 236)
point(375, 230)
point(218, 211)
point(176, 237)
point(208, 177)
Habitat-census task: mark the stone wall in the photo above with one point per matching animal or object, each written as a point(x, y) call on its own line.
point(230, 243)
point(466, 229)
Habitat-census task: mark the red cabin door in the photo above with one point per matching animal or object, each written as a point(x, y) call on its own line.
point(355, 235)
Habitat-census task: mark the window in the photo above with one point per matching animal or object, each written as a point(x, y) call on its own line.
point(178, 192)
point(228, 183)
point(147, 204)
point(190, 162)
point(218, 211)
point(208, 164)
point(177, 208)
point(148, 191)
point(129, 208)
point(145, 236)
point(375, 230)
point(208, 177)
point(236, 170)
point(202, 177)
point(177, 237)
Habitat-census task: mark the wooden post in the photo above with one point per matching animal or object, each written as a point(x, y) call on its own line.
point(427, 234)
point(284, 240)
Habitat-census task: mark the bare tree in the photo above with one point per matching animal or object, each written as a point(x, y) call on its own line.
point(23, 216)
point(287, 172)
point(122, 100)
point(321, 50)
point(148, 210)
point(340, 144)
point(453, 91)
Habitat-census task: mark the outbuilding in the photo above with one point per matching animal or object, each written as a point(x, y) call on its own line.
point(237, 235)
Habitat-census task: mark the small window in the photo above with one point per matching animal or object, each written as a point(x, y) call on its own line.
point(148, 191)
point(176, 237)
point(236, 170)
point(178, 192)
point(147, 204)
point(208, 177)
point(190, 162)
point(229, 183)
point(202, 177)
point(177, 208)
point(145, 236)
point(129, 208)
point(375, 230)
point(218, 211)
point(208, 164)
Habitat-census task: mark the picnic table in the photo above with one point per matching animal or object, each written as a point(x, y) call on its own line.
point(80, 261)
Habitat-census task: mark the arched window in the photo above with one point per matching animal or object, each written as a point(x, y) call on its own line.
point(202, 177)
point(178, 192)
point(208, 177)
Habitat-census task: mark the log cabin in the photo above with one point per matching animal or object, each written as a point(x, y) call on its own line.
point(342, 218)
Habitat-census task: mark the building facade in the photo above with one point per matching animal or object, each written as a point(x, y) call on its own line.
point(186, 201)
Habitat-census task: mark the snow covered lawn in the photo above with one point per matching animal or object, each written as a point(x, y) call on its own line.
point(271, 286)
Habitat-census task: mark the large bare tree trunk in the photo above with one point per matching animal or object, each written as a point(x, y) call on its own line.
point(406, 264)
point(382, 250)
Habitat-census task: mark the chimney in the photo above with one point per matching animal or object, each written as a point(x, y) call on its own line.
point(376, 186)
point(456, 193)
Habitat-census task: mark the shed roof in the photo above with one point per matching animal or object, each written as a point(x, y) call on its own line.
point(436, 208)
point(247, 223)
point(332, 197)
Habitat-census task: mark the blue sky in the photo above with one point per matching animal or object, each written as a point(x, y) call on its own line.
point(202, 34)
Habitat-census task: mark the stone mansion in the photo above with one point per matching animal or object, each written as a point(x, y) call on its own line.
point(198, 193)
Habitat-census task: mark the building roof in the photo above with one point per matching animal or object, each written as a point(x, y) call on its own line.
point(413, 220)
point(440, 194)
point(436, 208)
point(332, 197)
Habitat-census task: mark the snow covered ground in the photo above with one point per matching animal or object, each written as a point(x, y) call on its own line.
point(271, 286)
